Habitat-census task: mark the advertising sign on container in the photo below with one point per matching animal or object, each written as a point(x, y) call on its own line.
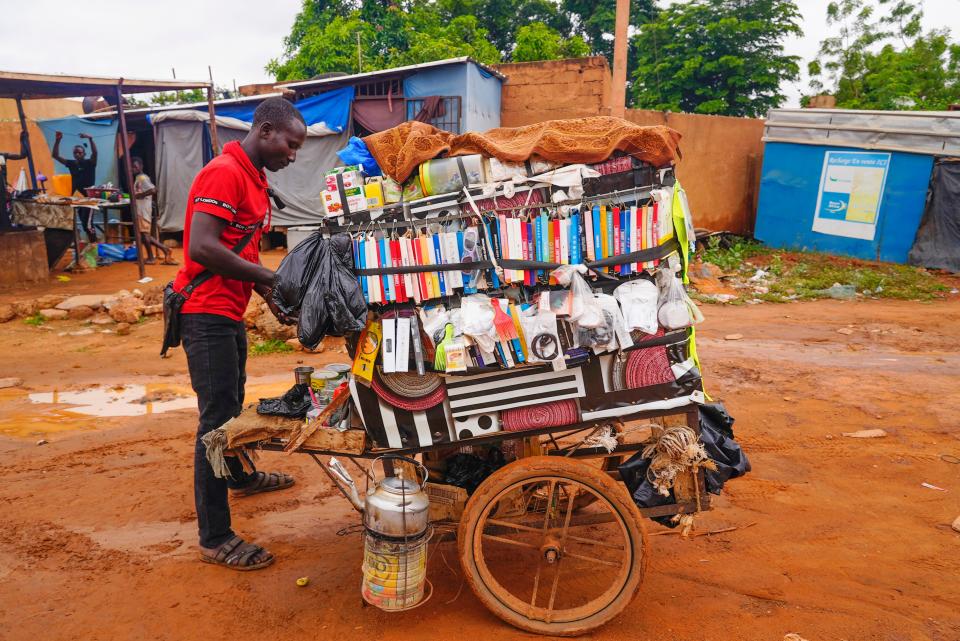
point(851, 189)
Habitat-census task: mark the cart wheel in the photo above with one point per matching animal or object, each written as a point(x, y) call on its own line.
point(551, 568)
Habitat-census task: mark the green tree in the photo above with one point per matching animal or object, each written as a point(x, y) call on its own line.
point(390, 34)
point(596, 20)
point(462, 37)
point(504, 18)
point(863, 68)
point(185, 97)
point(537, 41)
point(716, 57)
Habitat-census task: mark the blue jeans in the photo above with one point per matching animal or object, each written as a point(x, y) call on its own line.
point(216, 348)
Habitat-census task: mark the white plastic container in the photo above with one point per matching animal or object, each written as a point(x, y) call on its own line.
point(296, 235)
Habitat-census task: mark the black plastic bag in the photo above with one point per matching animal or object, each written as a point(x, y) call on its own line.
point(319, 287)
point(296, 272)
point(293, 404)
point(716, 434)
point(469, 471)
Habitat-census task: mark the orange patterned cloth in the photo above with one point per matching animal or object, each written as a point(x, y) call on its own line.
point(401, 149)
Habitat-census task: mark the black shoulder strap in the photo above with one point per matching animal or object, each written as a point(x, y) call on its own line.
point(206, 274)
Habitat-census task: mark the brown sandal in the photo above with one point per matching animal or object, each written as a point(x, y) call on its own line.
point(236, 554)
point(264, 482)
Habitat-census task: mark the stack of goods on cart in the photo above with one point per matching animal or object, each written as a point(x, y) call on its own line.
point(519, 280)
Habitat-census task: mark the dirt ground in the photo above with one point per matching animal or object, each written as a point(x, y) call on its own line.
point(97, 538)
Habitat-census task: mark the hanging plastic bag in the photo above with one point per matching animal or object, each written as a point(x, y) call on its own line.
point(599, 338)
point(434, 321)
point(476, 314)
point(638, 302)
point(333, 303)
point(675, 310)
point(543, 338)
point(613, 315)
point(296, 272)
point(584, 309)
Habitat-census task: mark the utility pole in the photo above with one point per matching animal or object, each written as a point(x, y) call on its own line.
point(359, 55)
point(618, 87)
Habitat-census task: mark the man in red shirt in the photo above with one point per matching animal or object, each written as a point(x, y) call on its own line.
point(226, 209)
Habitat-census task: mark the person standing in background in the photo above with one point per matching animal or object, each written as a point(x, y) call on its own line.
point(143, 192)
point(83, 174)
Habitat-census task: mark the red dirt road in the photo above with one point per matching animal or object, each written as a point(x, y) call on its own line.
point(97, 538)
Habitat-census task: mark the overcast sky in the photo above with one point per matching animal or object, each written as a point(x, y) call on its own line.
point(147, 39)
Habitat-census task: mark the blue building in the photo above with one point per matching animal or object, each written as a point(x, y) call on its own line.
point(853, 183)
point(457, 94)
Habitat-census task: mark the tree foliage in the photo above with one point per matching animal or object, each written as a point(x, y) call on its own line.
point(537, 41)
point(716, 57)
point(862, 66)
point(323, 37)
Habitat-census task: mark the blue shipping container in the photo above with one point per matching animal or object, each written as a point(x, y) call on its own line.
point(842, 200)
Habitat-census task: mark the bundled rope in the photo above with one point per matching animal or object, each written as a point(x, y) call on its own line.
point(215, 442)
point(677, 449)
point(605, 438)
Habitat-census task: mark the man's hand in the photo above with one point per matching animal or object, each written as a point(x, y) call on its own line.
point(283, 318)
point(87, 136)
point(59, 136)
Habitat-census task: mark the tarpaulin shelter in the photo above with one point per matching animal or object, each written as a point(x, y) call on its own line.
point(334, 107)
point(854, 183)
point(182, 148)
point(29, 86)
point(457, 95)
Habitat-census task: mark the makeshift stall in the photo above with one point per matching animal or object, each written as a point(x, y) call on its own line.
point(27, 86)
point(514, 304)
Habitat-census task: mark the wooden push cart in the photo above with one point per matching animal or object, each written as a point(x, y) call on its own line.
point(552, 542)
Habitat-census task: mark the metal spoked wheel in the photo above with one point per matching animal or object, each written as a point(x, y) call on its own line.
point(541, 562)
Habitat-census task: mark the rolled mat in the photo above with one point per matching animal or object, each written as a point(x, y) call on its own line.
point(531, 417)
point(647, 366)
point(411, 404)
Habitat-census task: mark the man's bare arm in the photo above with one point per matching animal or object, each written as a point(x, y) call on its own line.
point(56, 149)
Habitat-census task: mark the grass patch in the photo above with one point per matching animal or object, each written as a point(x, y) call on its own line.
point(813, 273)
point(806, 275)
point(731, 256)
point(270, 346)
point(36, 320)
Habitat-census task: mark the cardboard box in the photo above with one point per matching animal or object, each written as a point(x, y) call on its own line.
point(343, 191)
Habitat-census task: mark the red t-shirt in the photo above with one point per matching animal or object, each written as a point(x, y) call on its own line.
point(229, 187)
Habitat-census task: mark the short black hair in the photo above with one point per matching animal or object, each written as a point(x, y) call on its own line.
point(138, 159)
point(278, 112)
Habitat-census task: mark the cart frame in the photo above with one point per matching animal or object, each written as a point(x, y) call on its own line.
point(559, 464)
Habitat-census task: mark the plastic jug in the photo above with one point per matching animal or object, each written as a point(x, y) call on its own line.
point(62, 184)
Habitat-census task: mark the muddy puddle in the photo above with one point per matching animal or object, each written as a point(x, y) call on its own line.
point(37, 414)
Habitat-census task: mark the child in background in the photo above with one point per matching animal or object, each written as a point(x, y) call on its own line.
point(144, 191)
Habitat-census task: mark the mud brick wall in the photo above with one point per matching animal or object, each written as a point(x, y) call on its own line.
point(720, 168)
point(24, 258)
point(10, 132)
point(538, 91)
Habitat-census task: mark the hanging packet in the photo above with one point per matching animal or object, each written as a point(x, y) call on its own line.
point(584, 309)
point(638, 302)
point(675, 309)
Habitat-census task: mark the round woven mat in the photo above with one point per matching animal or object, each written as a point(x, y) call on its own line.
point(532, 417)
point(411, 403)
point(410, 383)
